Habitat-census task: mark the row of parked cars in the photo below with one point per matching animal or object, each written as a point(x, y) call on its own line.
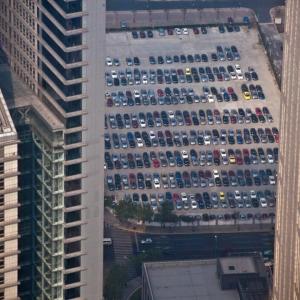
point(192, 179)
point(192, 157)
point(189, 74)
point(207, 137)
point(229, 27)
point(252, 92)
point(177, 96)
point(179, 118)
point(206, 200)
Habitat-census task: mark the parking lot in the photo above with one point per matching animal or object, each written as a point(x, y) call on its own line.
point(191, 119)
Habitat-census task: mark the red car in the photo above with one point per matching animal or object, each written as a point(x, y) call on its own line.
point(170, 31)
point(109, 102)
point(160, 92)
point(258, 111)
point(230, 90)
point(195, 30)
point(156, 163)
point(238, 157)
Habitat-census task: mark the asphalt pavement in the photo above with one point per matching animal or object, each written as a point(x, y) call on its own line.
point(205, 246)
point(261, 8)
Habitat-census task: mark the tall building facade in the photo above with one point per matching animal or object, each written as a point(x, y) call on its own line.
point(56, 47)
point(287, 241)
point(8, 205)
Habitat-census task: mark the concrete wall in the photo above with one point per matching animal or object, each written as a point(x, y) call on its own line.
point(155, 18)
point(93, 199)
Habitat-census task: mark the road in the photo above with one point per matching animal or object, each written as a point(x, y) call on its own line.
point(261, 8)
point(204, 246)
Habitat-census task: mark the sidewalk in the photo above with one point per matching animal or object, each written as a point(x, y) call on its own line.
point(131, 287)
point(111, 220)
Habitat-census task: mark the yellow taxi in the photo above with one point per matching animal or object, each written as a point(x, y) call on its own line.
point(188, 71)
point(232, 159)
point(222, 196)
point(247, 96)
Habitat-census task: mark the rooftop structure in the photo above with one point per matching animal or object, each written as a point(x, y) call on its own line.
point(224, 278)
point(192, 279)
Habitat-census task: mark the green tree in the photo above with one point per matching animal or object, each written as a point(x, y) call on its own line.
point(115, 282)
point(144, 213)
point(108, 201)
point(148, 255)
point(165, 212)
point(186, 219)
point(125, 210)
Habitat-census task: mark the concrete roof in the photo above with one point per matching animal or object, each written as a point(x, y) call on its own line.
point(7, 128)
point(189, 280)
point(17, 95)
point(237, 265)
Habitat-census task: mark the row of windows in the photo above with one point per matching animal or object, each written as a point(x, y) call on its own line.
point(68, 41)
point(24, 30)
point(19, 71)
point(68, 74)
point(29, 4)
point(67, 57)
point(23, 12)
point(70, 6)
point(67, 90)
point(68, 24)
point(24, 62)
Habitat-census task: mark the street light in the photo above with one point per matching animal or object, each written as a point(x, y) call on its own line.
point(216, 246)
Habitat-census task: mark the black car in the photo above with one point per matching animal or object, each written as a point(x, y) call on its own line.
point(221, 28)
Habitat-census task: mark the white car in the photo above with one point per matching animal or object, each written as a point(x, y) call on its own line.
point(238, 69)
point(152, 135)
point(253, 195)
point(136, 94)
point(139, 142)
point(272, 180)
point(216, 174)
point(146, 241)
point(237, 195)
point(270, 159)
point(210, 98)
point(184, 154)
point(185, 31)
point(142, 123)
point(263, 202)
point(223, 153)
point(240, 76)
point(178, 31)
point(114, 74)
point(184, 197)
point(207, 140)
point(156, 183)
point(108, 61)
point(171, 114)
point(233, 75)
point(194, 204)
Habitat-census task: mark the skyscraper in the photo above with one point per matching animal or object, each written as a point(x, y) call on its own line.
point(287, 242)
point(8, 205)
point(56, 47)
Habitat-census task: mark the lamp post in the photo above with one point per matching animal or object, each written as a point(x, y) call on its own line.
point(216, 246)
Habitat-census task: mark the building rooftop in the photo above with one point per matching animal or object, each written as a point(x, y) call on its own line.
point(7, 128)
point(189, 280)
point(17, 95)
point(237, 265)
